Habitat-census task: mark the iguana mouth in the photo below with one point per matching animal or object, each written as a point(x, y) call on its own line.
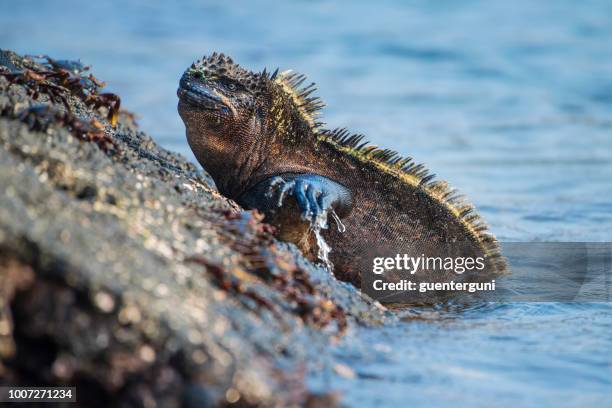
point(198, 95)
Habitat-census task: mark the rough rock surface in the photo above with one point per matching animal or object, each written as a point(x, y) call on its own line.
point(124, 273)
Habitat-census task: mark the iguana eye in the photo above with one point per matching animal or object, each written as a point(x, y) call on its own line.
point(232, 86)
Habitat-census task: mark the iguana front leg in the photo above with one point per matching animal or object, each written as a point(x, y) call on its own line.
point(299, 220)
point(315, 195)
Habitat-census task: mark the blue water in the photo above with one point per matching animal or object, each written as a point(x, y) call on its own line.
point(511, 101)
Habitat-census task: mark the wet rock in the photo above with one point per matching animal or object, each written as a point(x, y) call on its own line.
point(125, 273)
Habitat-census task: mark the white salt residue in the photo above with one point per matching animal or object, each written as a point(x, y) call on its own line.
point(341, 227)
point(320, 223)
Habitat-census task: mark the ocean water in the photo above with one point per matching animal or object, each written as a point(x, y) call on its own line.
point(511, 102)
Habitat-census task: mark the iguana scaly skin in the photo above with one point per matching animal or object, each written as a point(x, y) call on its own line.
point(258, 136)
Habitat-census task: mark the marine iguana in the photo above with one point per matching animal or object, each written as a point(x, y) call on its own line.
point(259, 137)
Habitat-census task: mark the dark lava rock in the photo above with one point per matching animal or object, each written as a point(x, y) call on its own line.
point(123, 272)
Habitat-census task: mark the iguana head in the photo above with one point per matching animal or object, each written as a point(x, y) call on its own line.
point(235, 116)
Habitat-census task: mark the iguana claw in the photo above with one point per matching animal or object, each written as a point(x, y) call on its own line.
point(315, 195)
point(306, 193)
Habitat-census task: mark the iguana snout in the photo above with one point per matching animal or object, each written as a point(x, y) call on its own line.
point(201, 96)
